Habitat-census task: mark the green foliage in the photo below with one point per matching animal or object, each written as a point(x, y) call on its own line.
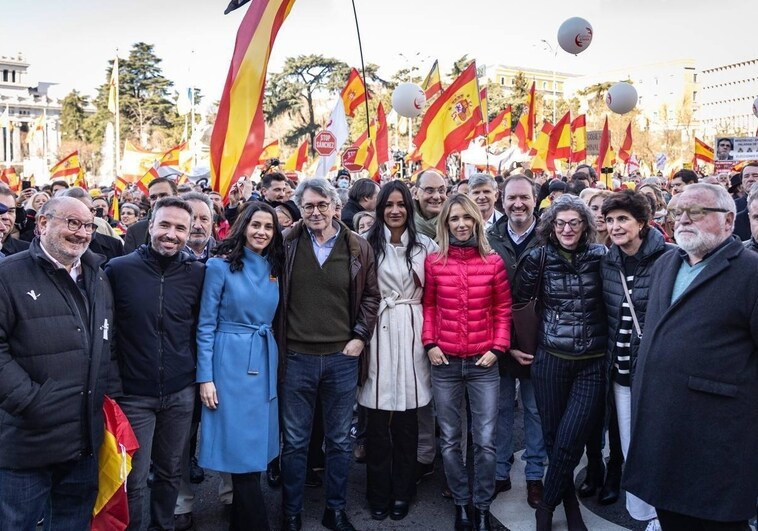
point(73, 117)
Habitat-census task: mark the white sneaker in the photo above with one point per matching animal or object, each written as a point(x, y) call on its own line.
point(653, 525)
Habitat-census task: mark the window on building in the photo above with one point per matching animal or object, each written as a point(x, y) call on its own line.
point(513, 81)
point(544, 85)
point(5, 75)
point(694, 96)
point(502, 81)
point(13, 77)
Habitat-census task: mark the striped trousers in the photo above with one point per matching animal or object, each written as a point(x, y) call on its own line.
point(570, 396)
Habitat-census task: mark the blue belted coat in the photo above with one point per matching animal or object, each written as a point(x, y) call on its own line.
point(236, 351)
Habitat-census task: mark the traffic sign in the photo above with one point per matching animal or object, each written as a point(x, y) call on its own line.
point(348, 160)
point(325, 143)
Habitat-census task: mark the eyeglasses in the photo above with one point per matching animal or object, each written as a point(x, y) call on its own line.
point(431, 191)
point(74, 224)
point(573, 224)
point(322, 207)
point(695, 212)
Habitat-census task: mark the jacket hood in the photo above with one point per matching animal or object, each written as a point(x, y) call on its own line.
point(653, 243)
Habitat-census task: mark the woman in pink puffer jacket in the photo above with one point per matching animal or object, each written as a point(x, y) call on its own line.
point(467, 323)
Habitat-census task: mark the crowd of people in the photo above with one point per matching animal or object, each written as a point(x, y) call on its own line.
point(245, 336)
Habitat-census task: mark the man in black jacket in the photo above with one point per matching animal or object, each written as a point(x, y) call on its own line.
point(11, 245)
point(361, 198)
point(138, 233)
point(157, 297)
point(56, 326)
point(512, 237)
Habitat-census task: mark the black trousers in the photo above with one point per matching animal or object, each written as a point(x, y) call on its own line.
point(680, 522)
point(248, 506)
point(391, 444)
point(570, 396)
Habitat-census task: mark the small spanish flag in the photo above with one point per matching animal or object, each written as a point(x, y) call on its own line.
point(297, 160)
point(432, 84)
point(354, 93)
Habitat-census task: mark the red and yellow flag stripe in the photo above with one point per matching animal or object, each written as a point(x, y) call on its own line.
point(238, 134)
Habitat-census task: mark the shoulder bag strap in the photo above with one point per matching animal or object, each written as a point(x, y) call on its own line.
point(629, 302)
point(541, 272)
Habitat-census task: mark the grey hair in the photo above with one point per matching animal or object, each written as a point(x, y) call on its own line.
point(478, 179)
point(75, 191)
point(723, 199)
point(197, 196)
point(546, 231)
point(752, 194)
point(131, 206)
point(318, 185)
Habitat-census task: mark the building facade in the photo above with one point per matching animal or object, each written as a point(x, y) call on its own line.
point(726, 95)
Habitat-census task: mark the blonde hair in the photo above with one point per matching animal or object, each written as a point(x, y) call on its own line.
point(443, 228)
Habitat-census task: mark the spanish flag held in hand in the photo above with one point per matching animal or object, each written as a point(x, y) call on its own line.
point(450, 120)
point(354, 93)
point(525, 127)
point(703, 151)
point(432, 84)
point(271, 151)
point(297, 160)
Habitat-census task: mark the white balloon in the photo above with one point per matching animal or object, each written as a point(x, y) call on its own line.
point(575, 35)
point(755, 107)
point(621, 98)
point(408, 100)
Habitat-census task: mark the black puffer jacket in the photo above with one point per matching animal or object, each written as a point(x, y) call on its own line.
point(156, 317)
point(571, 299)
point(55, 363)
point(653, 246)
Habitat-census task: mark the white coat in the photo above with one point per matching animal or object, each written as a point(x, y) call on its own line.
point(399, 376)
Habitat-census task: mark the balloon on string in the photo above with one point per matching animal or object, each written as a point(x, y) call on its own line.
point(755, 107)
point(575, 35)
point(621, 98)
point(408, 100)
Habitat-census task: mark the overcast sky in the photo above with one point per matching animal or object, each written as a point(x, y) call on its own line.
point(71, 42)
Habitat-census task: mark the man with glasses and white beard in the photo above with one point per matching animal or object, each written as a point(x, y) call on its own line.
point(695, 395)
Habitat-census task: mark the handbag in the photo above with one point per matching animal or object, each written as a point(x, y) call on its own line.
point(526, 317)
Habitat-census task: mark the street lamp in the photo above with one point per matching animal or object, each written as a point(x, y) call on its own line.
point(553, 50)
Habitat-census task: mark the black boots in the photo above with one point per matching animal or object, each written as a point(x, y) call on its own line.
point(462, 518)
point(593, 479)
point(612, 485)
point(482, 520)
point(573, 513)
point(544, 516)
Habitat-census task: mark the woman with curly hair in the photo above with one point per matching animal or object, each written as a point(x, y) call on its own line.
point(569, 367)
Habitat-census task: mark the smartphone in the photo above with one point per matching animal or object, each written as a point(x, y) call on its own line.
point(26, 184)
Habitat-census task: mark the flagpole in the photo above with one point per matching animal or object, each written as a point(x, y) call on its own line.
point(363, 68)
point(117, 159)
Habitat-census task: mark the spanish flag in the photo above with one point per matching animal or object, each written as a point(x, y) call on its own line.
point(171, 157)
point(119, 185)
point(111, 511)
point(297, 160)
point(560, 140)
point(354, 93)
point(606, 157)
point(238, 134)
point(483, 128)
point(271, 151)
point(579, 139)
point(10, 177)
point(500, 126)
point(113, 88)
point(625, 151)
point(525, 126)
point(432, 84)
point(541, 148)
point(36, 127)
point(70, 170)
point(449, 120)
point(703, 151)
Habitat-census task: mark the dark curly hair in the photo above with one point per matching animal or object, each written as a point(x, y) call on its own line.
point(546, 231)
point(636, 203)
point(233, 247)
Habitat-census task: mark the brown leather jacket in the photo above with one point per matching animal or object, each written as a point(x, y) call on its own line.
point(364, 292)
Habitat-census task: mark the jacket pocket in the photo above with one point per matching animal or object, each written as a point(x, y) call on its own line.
point(713, 387)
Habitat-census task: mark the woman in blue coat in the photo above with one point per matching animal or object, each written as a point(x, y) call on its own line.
point(237, 360)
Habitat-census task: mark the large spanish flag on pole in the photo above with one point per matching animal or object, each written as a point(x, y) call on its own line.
point(297, 160)
point(238, 134)
point(525, 127)
point(450, 120)
point(579, 139)
point(625, 151)
point(354, 93)
point(432, 84)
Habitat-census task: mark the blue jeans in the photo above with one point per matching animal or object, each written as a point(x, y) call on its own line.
point(449, 382)
point(64, 493)
point(162, 427)
point(535, 454)
point(333, 378)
